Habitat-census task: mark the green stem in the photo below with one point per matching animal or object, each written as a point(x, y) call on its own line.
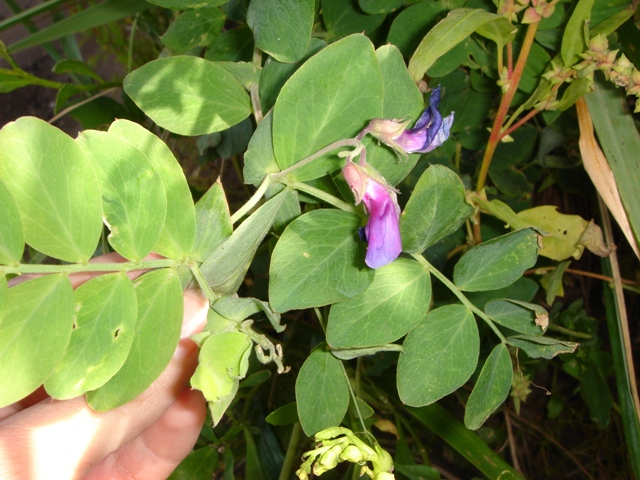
point(204, 286)
point(252, 201)
point(322, 195)
point(89, 267)
point(456, 291)
point(347, 142)
point(290, 456)
point(353, 397)
point(571, 333)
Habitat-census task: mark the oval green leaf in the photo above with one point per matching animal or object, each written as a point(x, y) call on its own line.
point(193, 28)
point(133, 195)
point(573, 43)
point(11, 234)
point(223, 361)
point(55, 188)
point(322, 393)
point(491, 389)
point(439, 356)
point(332, 96)
point(498, 262)
point(395, 302)
point(159, 298)
point(177, 236)
point(188, 95)
point(213, 222)
point(318, 260)
point(34, 334)
point(282, 28)
point(436, 208)
point(104, 327)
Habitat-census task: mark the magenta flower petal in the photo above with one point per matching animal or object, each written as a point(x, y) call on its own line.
point(383, 229)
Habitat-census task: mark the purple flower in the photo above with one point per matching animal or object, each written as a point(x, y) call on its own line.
point(429, 132)
point(382, 231)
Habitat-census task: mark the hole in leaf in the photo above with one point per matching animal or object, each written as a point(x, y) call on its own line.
point(116, 333)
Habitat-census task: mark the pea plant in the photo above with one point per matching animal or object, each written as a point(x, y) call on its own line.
point(391, 157)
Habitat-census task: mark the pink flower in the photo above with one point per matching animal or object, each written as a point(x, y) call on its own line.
point(382, 231)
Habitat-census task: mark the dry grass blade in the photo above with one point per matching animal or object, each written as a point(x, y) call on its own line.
point(596, 165)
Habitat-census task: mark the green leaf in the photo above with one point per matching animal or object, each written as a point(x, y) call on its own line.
point(436, 208)
point(402, 99)
point(275, 74)
point(573, 42)
point(342, 18)
point(259, 159)
point(160, 310)
point(596, 394)
point(133, 194)
point(417, 472)
point(351, 353)
point(285, 415)
point(94, 16)
point(524, 289)
point(11, 234)
point(395, 302)
point(322, 393)
point(177, 237)
point(226, 267)
point(69, 65)
point(4, 296)
point(188, 95)
point(342, 86)
point(458, 25)
point(185, 4)
point(223, 361)
point(412, 24)
point(231, 46)
point(34, 334)
point(491, 389)
point(55, 188)
point(104, 328)
point(193, 28)
point(373, 7)
point(200, 464)
point(241, 308)
point(318, 260)
point(10, 82)
point(247, 73)
point(213, 222)
point(282, 28)
point(542, 347)
point(498, 262)
point(520, 317)
point(465, 442)
point(440, 355)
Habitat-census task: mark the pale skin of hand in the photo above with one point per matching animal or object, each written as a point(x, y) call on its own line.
point(146, 439)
